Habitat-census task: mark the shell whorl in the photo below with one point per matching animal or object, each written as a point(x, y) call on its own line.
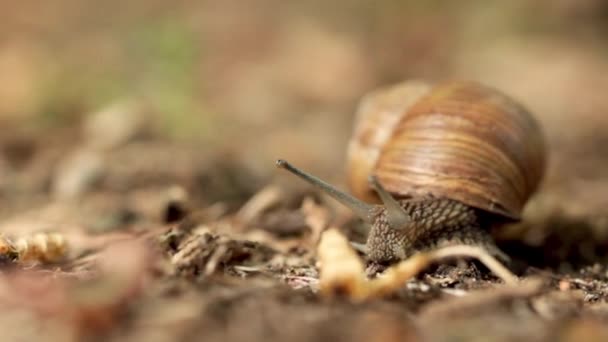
point(377, 115)
point(457, 140)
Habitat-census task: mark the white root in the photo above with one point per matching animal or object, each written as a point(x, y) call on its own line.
point(480, 254)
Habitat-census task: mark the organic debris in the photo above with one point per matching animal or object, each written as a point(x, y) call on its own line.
point(38, 248)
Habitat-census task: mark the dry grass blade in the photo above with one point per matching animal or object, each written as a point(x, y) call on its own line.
point(342, 271)
point(317, 218)
point(395, 276)
point(477, 253)
point(264, 199)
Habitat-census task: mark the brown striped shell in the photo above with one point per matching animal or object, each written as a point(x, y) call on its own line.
point(457, 140)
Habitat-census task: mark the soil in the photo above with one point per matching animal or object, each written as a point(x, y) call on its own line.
point(174, 258)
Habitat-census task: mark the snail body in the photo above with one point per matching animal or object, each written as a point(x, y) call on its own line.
point(446, 161)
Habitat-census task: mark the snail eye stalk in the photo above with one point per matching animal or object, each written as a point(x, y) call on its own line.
point(360, 208)
point(398, 218)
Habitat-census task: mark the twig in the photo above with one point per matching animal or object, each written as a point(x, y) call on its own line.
point(261, 201)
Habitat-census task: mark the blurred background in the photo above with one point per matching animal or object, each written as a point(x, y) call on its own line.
point(124, 97)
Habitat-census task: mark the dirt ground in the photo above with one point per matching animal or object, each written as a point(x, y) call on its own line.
point(139, 200)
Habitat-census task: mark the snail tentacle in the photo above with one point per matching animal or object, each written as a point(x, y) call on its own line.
point(363, 210)
point(397, 217)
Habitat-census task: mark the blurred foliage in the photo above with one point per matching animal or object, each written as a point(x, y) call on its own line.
point(162, 58)
point(168, 56)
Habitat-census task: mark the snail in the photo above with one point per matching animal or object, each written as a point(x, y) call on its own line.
point(447, 162)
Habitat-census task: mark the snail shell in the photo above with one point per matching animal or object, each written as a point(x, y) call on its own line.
point(458, 140)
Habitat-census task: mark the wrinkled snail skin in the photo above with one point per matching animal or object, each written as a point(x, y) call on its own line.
point(434, 223)
point(445, 160)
